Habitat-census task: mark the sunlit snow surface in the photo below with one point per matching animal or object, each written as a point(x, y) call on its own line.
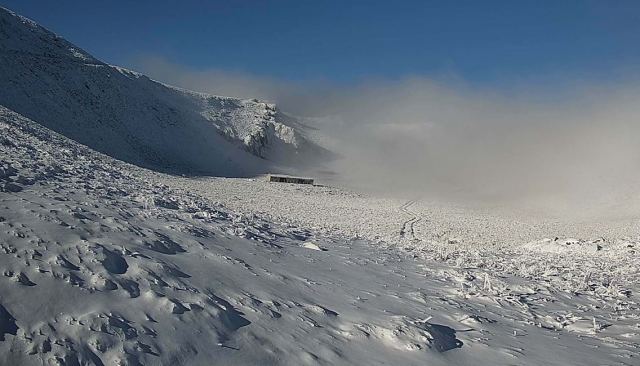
point(105, 263)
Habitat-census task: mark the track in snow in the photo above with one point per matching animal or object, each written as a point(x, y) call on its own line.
point(408, 226)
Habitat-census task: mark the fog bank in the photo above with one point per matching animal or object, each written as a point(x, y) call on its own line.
point(418, 136)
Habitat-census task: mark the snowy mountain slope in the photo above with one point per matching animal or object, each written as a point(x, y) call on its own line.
point(133, 118)
point(102, 264)
point(262, 128)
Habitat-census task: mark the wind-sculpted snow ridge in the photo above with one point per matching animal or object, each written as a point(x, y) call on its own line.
point(130, 117)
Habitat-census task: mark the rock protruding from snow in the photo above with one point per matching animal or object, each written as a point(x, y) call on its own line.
point(7, 323)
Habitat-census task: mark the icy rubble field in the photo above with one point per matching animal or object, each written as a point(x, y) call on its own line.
point(106, 264)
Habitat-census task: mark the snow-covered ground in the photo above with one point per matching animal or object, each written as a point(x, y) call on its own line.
point(571, 277)
point(106, 263)
point(396, 219)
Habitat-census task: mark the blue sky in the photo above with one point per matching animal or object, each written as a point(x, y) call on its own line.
point(482, 42)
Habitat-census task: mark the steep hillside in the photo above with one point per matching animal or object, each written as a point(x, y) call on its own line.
point(133, 118)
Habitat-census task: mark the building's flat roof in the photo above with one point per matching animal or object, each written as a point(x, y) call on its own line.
point(288, 176)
